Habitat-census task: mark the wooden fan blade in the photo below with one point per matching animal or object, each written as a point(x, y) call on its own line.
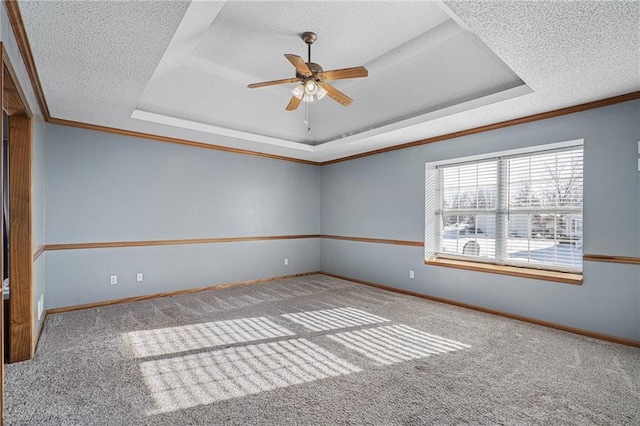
point(335, 94)
point(299, 63)
point(354, 72)
point(293, 103)
point(272, 83)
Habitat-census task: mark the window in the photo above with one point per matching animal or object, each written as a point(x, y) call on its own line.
point(519, 210)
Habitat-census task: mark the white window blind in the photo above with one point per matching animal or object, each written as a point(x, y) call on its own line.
point(521, 210)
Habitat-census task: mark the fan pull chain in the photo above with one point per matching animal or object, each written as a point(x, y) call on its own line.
point(307, 116)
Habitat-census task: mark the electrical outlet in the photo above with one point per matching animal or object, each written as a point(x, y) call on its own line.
point(114, 279)
point(139, 277)
point(286, 261)
point(411, 275)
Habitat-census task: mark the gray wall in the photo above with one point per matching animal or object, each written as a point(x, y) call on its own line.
point(103, 187)
point(382, 196)
point(39, 185)
point(39, 234)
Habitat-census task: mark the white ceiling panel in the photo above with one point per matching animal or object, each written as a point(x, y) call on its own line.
point(206, 98)
point(455, 71)
point(254, 36)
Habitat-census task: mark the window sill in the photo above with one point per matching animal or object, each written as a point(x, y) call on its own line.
point(539, 274)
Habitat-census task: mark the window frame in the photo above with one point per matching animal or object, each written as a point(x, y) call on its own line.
point(433, 214)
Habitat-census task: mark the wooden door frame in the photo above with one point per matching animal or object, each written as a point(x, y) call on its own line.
point(22, 338)
point(2, 266)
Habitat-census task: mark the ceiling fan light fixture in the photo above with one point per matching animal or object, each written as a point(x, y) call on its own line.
point(321, 92)
point(298, 91)
point(309, 91)
point(310, 87)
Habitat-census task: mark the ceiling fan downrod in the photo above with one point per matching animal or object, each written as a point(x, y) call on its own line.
point(308, 37)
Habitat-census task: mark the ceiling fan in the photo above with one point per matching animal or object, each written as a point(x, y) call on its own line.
point(313, 79)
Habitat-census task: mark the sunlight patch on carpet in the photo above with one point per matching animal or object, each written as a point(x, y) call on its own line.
point(332, 319)
point(395, 343)
point(164, 341)
point(189, 381)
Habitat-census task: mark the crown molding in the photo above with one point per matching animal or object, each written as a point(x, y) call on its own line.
point(159, 138)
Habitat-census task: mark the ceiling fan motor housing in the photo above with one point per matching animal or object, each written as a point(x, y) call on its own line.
point(313, 67)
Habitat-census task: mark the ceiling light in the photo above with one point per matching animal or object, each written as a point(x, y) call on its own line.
point(310, 87)
point(309, 91)
point(321, 93)
point(298, 91)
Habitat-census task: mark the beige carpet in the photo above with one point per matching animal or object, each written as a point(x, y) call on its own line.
point(315, 350)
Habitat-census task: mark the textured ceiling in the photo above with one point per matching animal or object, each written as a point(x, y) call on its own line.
point(434, 68)
point(95, 58)
point(591, 48)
